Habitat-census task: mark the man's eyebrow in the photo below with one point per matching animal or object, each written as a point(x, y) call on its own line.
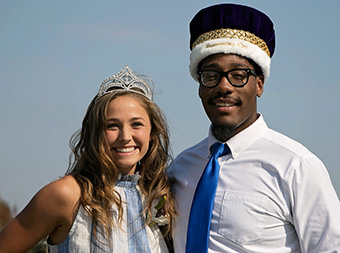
point(212, 65)
point(234, 65)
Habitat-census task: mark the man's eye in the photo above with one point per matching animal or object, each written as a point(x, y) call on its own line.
point(239, 75)
point(210, 76)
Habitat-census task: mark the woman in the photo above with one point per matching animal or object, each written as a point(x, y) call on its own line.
point(116, 188)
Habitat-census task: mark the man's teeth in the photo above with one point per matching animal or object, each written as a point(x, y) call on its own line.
point(125, 150)
point(224, 104)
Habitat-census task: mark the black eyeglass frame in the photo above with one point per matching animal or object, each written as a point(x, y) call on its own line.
point(225, 74)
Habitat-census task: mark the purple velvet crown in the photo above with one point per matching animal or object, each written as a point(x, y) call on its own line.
point(235, 17)
point(232, 29)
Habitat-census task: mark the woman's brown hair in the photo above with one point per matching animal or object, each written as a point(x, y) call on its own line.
point(94, 170)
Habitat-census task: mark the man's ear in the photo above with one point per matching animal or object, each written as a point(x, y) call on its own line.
point(259, 85)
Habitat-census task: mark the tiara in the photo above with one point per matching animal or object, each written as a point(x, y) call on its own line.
point(126, 80)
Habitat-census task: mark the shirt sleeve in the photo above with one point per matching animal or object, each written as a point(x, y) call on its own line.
point(315, 206)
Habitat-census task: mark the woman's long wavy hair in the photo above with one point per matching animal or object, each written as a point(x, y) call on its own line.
point(96, 173)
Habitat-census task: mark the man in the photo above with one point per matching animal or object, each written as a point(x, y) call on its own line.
point(269, 194)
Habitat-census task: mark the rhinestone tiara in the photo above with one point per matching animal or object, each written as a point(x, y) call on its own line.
point(126, 80)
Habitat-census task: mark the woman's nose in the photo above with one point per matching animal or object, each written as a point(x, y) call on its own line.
point(125, 134)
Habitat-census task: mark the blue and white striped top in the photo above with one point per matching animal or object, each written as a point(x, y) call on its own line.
point(134, 236)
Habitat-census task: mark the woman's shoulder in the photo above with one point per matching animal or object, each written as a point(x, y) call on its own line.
point(50, 212)
point(64, 190)
point(59, 198)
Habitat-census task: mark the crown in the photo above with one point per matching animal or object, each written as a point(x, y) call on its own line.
point(126, 80)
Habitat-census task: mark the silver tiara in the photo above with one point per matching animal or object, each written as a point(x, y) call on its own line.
point(126, 80)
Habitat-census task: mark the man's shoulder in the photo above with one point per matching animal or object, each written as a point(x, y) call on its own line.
point(282, 142)
point(197, 150)
point(193, 154)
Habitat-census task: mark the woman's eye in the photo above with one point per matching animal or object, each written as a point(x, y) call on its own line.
point(111, 126)
point(137, 124)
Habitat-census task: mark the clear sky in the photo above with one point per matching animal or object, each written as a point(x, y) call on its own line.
point(55, 54)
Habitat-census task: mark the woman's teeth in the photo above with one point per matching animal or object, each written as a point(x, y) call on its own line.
point(125, 150)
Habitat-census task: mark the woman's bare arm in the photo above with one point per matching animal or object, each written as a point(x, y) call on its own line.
point(50, 212)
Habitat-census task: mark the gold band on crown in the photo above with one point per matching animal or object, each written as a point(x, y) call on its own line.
point(232, 34)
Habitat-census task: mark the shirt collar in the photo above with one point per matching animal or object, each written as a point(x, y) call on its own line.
point(244, 139)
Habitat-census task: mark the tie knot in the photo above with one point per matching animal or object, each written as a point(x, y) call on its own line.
point(219, 149)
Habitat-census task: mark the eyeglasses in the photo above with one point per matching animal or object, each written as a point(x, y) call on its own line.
point(236, 77)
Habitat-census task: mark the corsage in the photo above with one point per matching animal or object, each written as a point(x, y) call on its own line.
point(158, 215)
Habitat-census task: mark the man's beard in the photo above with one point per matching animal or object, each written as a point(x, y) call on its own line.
point(223, 132)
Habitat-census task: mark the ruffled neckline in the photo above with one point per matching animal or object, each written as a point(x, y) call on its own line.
point(129, 178)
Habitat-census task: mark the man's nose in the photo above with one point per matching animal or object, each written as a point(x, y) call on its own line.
point(224, 86)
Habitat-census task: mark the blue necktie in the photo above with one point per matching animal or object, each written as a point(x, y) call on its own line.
point(203, 202)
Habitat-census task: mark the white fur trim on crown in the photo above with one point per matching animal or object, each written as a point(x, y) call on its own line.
point(229, 46)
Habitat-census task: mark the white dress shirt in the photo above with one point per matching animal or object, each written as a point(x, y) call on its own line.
point(273, 195)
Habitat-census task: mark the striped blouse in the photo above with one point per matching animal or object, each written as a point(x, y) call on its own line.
point(133, 237)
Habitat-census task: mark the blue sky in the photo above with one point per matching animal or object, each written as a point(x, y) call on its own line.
point(55, 54)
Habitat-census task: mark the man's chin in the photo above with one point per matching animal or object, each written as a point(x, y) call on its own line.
point(223, 132)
